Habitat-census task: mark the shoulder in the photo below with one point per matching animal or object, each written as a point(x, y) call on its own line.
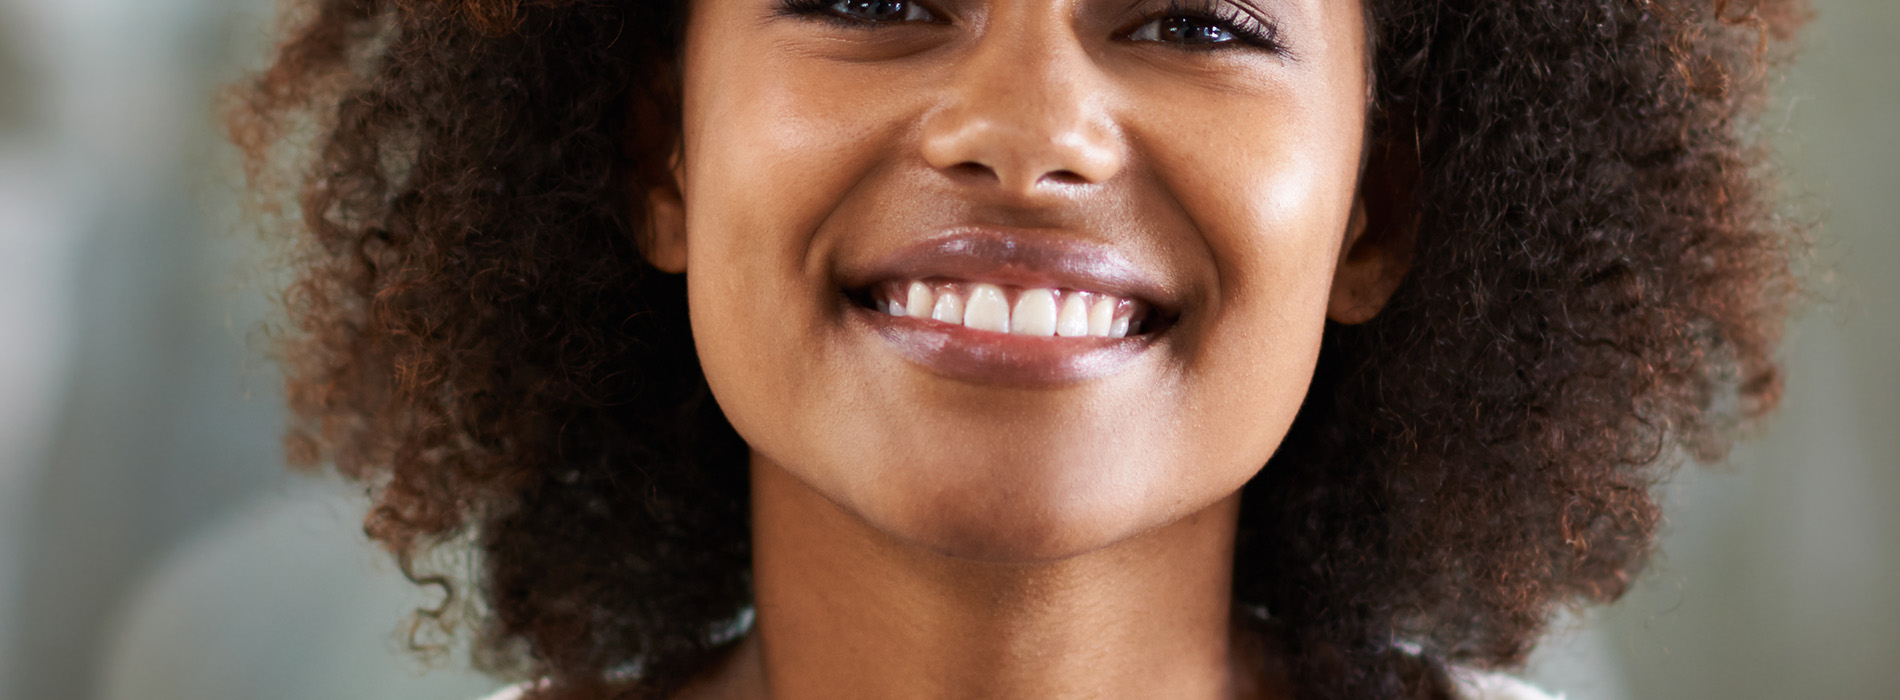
point(1480, 685)
point(512, 692)
point(1472, 685)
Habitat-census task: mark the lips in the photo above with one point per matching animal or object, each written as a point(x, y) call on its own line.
point(1003, 307)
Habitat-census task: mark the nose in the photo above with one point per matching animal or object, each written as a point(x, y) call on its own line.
point(1024, 110)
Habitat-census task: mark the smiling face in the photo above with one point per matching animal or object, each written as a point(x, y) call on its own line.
point(1017, 279)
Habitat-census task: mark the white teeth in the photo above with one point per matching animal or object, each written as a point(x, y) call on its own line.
point(1039, 311)
point(988, 309)
point(949, 308)
point(919, 303)
point(1074, 319)
point(1102, 316)
point(1035, 313)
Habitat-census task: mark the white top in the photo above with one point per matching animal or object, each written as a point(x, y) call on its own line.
point(1477, 685)
point(1472, 685)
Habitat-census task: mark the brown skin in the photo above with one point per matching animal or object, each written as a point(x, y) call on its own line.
point(846, 611)
point(927, 537)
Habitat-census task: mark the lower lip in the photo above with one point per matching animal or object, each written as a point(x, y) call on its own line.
point(985, 357)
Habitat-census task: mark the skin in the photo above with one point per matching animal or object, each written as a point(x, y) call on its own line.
point(922, 536)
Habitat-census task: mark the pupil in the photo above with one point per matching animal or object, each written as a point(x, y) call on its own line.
point(1188, 30)
point(875, 9)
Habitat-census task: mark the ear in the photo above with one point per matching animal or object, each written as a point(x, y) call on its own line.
point(664, 243)
point(1378, 246)
point(653, 145)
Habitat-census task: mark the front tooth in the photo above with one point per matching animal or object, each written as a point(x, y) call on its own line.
point(1102, 316)
point(1074, 319)
point(1035, 313)
point(988, 310)
point(949, 308)
point(894, 307)
point(1120, 328)
point(919, 303)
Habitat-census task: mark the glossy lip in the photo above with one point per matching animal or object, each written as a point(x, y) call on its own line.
point(985, 357)
point(1005, 257)
point(1009, 258)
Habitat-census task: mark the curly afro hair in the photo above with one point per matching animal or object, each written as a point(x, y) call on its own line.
point(1598, 285)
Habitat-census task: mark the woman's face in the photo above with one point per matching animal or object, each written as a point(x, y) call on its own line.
point(1017, 279)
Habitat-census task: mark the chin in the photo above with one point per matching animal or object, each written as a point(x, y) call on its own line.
point(1016, 512)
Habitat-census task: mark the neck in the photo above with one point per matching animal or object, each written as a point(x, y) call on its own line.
point(845, 611)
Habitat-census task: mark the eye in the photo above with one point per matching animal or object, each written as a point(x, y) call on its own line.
point(1183, 30)
point(1209, 26)
point(861, 11)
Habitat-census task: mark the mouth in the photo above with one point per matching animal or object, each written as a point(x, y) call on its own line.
point(994, 307)
point(1039, 312)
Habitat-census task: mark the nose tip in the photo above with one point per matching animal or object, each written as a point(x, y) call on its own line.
point(1022, 157)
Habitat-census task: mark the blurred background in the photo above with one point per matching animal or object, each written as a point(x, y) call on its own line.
point(153, 546)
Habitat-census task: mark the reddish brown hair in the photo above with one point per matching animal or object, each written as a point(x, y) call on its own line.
point(1598, 286)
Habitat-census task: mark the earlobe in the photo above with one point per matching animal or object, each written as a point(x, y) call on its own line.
point(664, 240)
point(1379, 241)
point(1369, 271)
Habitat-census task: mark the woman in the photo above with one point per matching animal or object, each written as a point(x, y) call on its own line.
point(1025, 348)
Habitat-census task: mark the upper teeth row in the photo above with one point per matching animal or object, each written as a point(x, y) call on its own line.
point(1035, 311)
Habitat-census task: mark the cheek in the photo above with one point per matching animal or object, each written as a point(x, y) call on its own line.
point(766, 156)
point(773, 148)
point(1281, 256)
point(1271, 214)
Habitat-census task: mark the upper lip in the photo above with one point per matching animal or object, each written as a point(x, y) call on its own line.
point(1026, 259)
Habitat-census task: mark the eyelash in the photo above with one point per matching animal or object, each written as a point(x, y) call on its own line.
point(1246, 29)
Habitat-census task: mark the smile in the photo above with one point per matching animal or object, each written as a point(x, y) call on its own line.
point(999, 307)
point(1040, 311)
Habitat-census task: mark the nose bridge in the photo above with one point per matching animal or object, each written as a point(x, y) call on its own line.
point(1022, 104)
point(1025, 41)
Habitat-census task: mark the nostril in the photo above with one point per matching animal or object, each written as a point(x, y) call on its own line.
point(970, 168)
point(1065, 177)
